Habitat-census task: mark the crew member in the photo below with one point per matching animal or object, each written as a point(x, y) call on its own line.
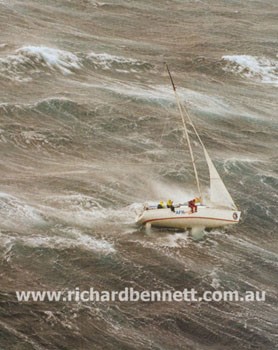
point(160, 205)
point(192, 205)
point(198, 200)
point(170, 205)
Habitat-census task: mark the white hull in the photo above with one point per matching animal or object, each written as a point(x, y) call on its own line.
point(183, 218)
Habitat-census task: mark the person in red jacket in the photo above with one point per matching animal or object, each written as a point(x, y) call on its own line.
point(192, 205)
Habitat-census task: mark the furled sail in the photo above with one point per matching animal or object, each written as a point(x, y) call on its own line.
point(219, 194)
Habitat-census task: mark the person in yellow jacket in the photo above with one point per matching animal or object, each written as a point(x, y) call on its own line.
point(161, 205)
point(170, 205)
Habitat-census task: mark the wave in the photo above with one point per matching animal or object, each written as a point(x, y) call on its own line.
point(30, 136)
point(87, 211)
point(256, 68)
point(31, 60)
point(47, 123)
point(120, 64)
point(76, 202)
point(173, 240)
point(34, 59)
point(69, 239)
point(241, 165)
point(37, 140)
point(14, 212)
point(52, 58)
point(78, 240)
point(163, 95)
point(269, 181)
point(253, 248)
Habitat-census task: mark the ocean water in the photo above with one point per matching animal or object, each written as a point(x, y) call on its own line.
point(89, 131)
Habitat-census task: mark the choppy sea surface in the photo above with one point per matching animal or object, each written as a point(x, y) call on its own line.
point(89, 131)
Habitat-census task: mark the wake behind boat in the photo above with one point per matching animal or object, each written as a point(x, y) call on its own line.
point(220, 209)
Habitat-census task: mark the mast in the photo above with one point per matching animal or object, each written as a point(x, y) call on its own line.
point(186, 133)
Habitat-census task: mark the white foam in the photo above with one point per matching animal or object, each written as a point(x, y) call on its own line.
point(33, 137)
point(257, 68)
point(86, 211)
point(76, 201)
point(7, 242)
point(204, 102)
point(53, 58)
point(28, 59)
point(174, 240)
point(163, 94)
point(77, 240)
point(71, 238)
point(105, 61)
point(14, 212)
point(216, 282)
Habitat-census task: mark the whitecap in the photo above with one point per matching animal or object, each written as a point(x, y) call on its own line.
point(260, 69)
point(31, 59)
point(121, 64)
point(53, 58)
point(174, 240)
point(75, 239)
point(15, 212)
point(86, 211)
point(70, 238)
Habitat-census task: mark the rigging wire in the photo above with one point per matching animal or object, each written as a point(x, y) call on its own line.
point(186, 133)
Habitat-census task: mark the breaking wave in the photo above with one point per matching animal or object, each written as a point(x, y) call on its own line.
point(35, 58)
point(120, 64)
point(77, 240)
point(71, 238)
point(257, 68)
point(15, 213)
point(87, 211)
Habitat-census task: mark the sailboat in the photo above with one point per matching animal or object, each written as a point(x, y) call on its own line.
point(220, 209)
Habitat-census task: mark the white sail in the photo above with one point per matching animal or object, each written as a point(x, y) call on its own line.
point(219, 194)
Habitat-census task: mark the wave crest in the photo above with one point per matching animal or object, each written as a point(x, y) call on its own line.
point(120, 64)
point(256, 68)
point(15, 213)
point(35, 58)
